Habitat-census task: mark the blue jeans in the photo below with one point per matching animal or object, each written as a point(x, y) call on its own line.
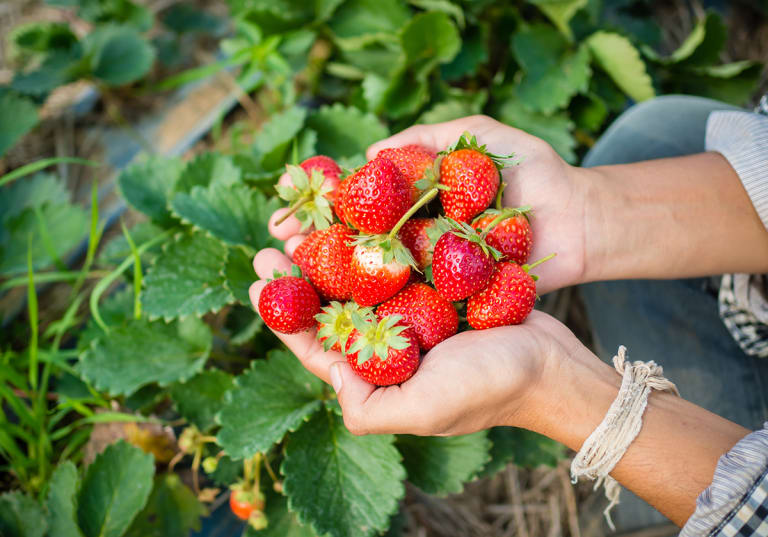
point(674, 322)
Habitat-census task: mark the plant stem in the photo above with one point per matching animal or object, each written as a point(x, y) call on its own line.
point(499, 195)
point(421, 202)
point(294, 208)
point(527, 268)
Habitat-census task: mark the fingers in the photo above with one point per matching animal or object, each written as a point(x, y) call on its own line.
point(292, 243)
point(286, 229)
point(268, 260)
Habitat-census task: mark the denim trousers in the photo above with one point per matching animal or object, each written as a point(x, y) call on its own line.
point(673, 322)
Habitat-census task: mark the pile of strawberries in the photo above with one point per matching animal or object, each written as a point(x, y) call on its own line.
point(395, 279)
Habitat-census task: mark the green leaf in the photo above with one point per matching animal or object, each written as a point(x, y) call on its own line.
point(553, 73)
point(429, 39)
point(713, 82)
point(589, 112)
point(21, 516)
point(172, 511)
point(523, 447)
point(345, 131)
point(115, 488)
point(147, 186)
point(282, 522)
point(237, 214)
point(474, 52)
point(62, 506)
point(555, 129)
point(406, 94)
point(361, 22)
point(118, 54)
point(140, 352)
point(206, 169)
point(274, 141)
point(617, 57)
point(187, 279)
point(560, 12)
point(115, 310)
point(200, 398)
point(703, 44)
point(36, 191)
point(17, 117)
point(239, 275)
point(117, 249)
point(441, 465)
point(339, 483)
point(41, 36)
point(285, 395)
point(58, 68)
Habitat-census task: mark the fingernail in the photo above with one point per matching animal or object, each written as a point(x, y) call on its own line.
point(336, 377)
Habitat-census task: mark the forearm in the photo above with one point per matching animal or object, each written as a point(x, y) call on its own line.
point(670, 218)
point(673, 458)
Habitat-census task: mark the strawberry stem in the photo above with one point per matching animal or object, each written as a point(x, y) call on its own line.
point(421, 202)
point(527, 268)
point(499, 195)
point(295, 207)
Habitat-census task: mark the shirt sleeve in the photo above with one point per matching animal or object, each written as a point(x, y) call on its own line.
point(742, 138)
point(736, 503)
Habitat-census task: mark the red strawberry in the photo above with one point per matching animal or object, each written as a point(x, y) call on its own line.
point(471, 177)
point(431, 317)
point(384, 352)
point(510, 233)
point(302, 255)
point(462, 262)
point(373, 279)
point(289, 305)
point(412, 161)
point(330, 170)
point(414, 236)
point(341, 195)
point(308, 197)
point(330, 258)
point(334, 324)
point(376, 196)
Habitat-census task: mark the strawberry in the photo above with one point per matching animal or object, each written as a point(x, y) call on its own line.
point(414, 236)
point(384, 352)
point(330, 170)
point(431, 317)
point(328, 260)
point(508, 299)
point(470, 176)
point(289, 304)
point(376, 196)
point(462, 262)
point(334, 324)
point(509, 231)
point(302, 255)
point(412, 161)
point(308, 197)
point(341, 195)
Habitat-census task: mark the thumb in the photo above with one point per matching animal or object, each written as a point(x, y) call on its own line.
point(352, 393)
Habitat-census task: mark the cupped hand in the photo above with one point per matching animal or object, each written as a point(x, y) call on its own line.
point(469, 382)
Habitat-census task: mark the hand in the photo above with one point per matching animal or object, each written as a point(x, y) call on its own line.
point(472, 381)
point(543, 180)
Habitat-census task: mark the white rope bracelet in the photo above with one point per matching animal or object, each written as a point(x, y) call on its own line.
point(609, 441)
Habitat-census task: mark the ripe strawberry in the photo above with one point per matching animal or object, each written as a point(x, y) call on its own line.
point(341, 195)
point(414, 236)
point(334, 324)
point(462, 262)
point(330, 170)
point(308, 197)
point(376, 197)
point(508, 298)
point(471, 177)
point(509, 231)
point(302, 255)
point(412, 161)
point(384, 352)
point(289, 305)
point(431, 317)
point(328, 261)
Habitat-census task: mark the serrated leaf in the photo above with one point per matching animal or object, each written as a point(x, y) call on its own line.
point(274, 141)
point(139, 352)
point(441, 465)
point(553, 73)
point(61, 502)
point(339, 483)
point(115, 310)
point(523, 447)
point(237, 215)
point(17, 117)
point(406, 94)
point(115, 488)
point(117, 249)
point(58, 68)
point(207, 169)
point(473, 53)
point(285, 395)
point(118, 54)
point(360, 22)
point(555, 129)
point(239, 275)
point(560, 12)
point(200, 398)
point(31, 192)
point(172, 510)
point(187, 278)
point(21, 516)
point(147, 186)
point(617, 57)
point(345, 131)
point(704, 44)
point(429, 39)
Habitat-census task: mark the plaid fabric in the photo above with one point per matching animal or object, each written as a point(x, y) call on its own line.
point(751, 516)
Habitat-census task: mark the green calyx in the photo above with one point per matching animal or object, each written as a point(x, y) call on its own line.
point(295, 271)
point(337, 323)
point(469, 141)
point(431, 177)
point(306, 198)
point(503, 214)
point(527, 267)
point(467, 232)
point(376, 338)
